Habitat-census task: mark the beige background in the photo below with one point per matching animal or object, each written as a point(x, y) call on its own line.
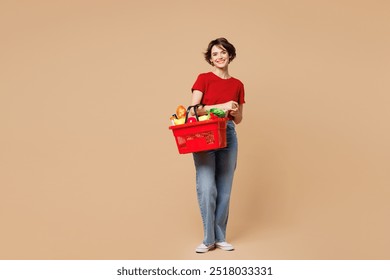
point(89, 169)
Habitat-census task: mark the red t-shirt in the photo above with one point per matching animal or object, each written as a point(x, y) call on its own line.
point(217, 90)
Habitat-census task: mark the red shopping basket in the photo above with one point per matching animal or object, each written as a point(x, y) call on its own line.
point(200, 135)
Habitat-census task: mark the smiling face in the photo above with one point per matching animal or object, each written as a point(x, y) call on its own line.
point(219, 56)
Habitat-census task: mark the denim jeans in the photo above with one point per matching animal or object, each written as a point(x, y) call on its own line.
point(214, 179)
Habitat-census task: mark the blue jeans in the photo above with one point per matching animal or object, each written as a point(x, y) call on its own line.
point(214, 179)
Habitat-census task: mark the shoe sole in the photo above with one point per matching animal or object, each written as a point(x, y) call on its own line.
point(205, 250)
point(225, 248)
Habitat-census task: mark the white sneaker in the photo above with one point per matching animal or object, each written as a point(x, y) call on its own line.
point(225, 246)
point(203, 248)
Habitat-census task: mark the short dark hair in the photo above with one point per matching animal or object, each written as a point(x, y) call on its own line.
point(220, 42)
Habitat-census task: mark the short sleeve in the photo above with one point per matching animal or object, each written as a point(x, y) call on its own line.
point(241, 94)
point(200, 84)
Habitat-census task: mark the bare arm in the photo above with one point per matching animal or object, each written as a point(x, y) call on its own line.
point(227, 106)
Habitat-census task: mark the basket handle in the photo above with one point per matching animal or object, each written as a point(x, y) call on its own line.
point(195, 108)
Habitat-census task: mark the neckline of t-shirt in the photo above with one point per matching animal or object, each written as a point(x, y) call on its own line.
point(220, 77)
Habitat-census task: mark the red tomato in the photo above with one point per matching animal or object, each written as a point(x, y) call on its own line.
point(191, 120)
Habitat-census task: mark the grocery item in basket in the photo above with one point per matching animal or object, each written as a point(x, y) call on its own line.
point(191, 120)
point(204, 118)
point(179, 121)
point(218, 112)
point(181, 112)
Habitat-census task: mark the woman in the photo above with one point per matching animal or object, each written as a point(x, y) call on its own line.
point(215, 169)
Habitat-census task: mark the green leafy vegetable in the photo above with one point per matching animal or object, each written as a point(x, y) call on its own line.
point(218, 112)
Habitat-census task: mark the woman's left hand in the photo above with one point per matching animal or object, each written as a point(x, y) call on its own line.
point(236, 113)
